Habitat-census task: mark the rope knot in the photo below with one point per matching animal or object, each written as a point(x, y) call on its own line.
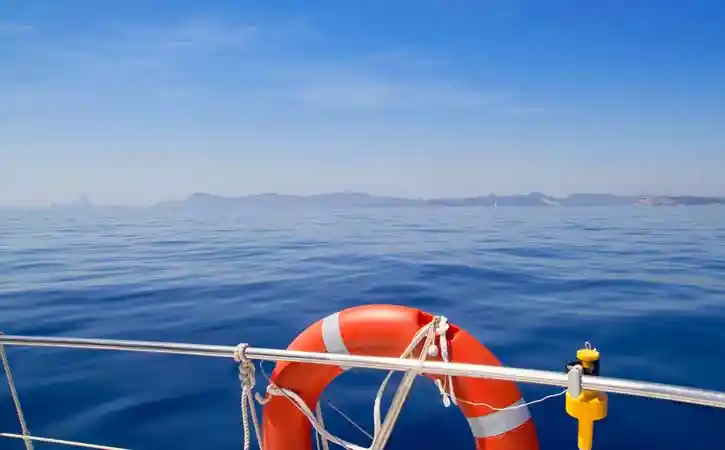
point(240, 353)
point(246, 367)
point(442, 326)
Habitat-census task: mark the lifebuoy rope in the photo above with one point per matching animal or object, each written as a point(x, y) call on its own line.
point(248, 380)
point(437, 328)
point(247, 377)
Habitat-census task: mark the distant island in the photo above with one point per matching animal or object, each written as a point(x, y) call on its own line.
point(210, 202)
point(353, 199)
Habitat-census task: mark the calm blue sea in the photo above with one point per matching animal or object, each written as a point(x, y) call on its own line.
point(645, 285)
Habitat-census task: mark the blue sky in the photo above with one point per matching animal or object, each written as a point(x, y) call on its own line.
point(137, 101)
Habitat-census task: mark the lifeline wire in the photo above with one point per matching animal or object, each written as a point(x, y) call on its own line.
point(603, 384)
point(26, 436)
point(683, 394)
point(16, 398)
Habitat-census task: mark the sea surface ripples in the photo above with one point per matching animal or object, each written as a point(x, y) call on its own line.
point(645, 285)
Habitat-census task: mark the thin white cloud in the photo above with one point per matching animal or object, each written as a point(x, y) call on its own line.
point(395, 79)
point(119, 60)
point(196, 34)
point(140, 48)
point(170, 62)
point(10, 29)
point(394, 94)
point(401, 58)
point(526, 110)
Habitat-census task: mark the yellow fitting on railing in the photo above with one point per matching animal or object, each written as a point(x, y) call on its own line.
point(585, 405)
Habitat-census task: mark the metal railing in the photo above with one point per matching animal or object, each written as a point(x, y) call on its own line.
point(604, 384)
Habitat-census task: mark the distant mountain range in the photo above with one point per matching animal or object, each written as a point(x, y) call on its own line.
point(204, 201)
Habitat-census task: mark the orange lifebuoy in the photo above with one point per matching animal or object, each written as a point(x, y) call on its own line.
point(386, 330)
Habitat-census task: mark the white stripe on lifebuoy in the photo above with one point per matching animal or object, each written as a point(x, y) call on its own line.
point(499, 422)
point(332, 335)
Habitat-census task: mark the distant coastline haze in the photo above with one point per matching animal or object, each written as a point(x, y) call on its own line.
point(210, 202)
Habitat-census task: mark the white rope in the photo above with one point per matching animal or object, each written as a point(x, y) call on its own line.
point(517, 406)
point(450, 396)
point(16, 398)
point(60, 442)
point(322, 443)
point(26, 436)
point(247, 378)
point(427, 332)
point(437, 328)
point(329, 403)
point(273, 390)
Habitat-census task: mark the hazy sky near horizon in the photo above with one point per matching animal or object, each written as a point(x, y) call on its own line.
point(138, 101)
